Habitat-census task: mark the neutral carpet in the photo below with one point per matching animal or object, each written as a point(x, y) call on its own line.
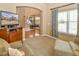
point(44, 46)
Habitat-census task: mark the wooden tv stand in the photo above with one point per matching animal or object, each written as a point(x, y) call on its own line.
point(11, 34)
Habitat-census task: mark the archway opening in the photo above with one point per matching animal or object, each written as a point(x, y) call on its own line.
point(30, 18)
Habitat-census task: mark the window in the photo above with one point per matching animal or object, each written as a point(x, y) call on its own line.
point(67, 21)
point(73, 22)
point(62, 21)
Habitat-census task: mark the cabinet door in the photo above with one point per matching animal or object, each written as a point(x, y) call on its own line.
point(3, 34)
point(15, 36)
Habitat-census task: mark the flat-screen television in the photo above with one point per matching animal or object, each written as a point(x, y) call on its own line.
point(8, 18)
point(8, 15)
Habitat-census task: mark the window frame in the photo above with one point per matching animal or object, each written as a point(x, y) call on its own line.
point(67, 23)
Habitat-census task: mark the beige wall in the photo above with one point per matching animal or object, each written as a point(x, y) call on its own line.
point(43, 7)
point(67, 37)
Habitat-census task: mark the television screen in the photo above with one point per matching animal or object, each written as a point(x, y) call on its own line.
point(8, 18)
point(8, 15)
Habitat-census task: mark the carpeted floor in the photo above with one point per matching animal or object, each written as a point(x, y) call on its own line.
point(44, 46)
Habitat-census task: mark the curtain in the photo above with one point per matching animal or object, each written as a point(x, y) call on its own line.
point(55, 22)
point(78, 20)
point(77, 36)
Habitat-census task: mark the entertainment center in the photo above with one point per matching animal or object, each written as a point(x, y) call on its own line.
point(9, 27)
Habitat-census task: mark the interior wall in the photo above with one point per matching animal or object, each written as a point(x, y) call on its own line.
point(42, 6)
point(67, 37)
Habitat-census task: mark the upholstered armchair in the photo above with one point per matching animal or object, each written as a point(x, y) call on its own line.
point(7, 50)
point(4, 47)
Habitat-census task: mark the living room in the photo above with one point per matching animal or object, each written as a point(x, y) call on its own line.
point(30, 28)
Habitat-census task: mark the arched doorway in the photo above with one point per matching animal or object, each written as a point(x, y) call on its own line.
point(30, 19)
